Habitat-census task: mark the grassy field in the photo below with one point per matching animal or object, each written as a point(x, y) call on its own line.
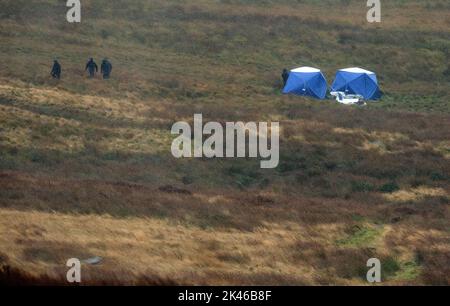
point(86, 168)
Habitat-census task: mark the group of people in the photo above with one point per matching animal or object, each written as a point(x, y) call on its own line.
point(91, 67)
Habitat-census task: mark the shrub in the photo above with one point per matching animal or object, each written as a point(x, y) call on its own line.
point(361, 186)
point(389, 187)
point(360, 236)
point(437, 176)
point(390, 267)
point(243, 176)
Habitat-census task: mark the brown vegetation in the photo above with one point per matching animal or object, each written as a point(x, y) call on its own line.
point(86, 169)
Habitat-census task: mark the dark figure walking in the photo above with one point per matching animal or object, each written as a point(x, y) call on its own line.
point(92, 67)
point(285, 76)
point(106, 68)
point(56, 70)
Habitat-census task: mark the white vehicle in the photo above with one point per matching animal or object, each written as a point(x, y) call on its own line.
point(348, 99)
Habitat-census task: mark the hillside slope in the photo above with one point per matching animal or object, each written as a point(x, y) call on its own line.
point(86, 168)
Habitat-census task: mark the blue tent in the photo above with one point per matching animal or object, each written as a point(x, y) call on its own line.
point(357, 81)
point(306, 81)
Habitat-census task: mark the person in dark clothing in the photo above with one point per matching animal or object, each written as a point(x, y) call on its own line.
point(285, 76)
point(106, 68)
point(56, 70)
point(92, 67)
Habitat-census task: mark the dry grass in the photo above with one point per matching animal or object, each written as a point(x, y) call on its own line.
point(102, 187)
point(416, 194)
point(289, 252)
point(86, 169)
